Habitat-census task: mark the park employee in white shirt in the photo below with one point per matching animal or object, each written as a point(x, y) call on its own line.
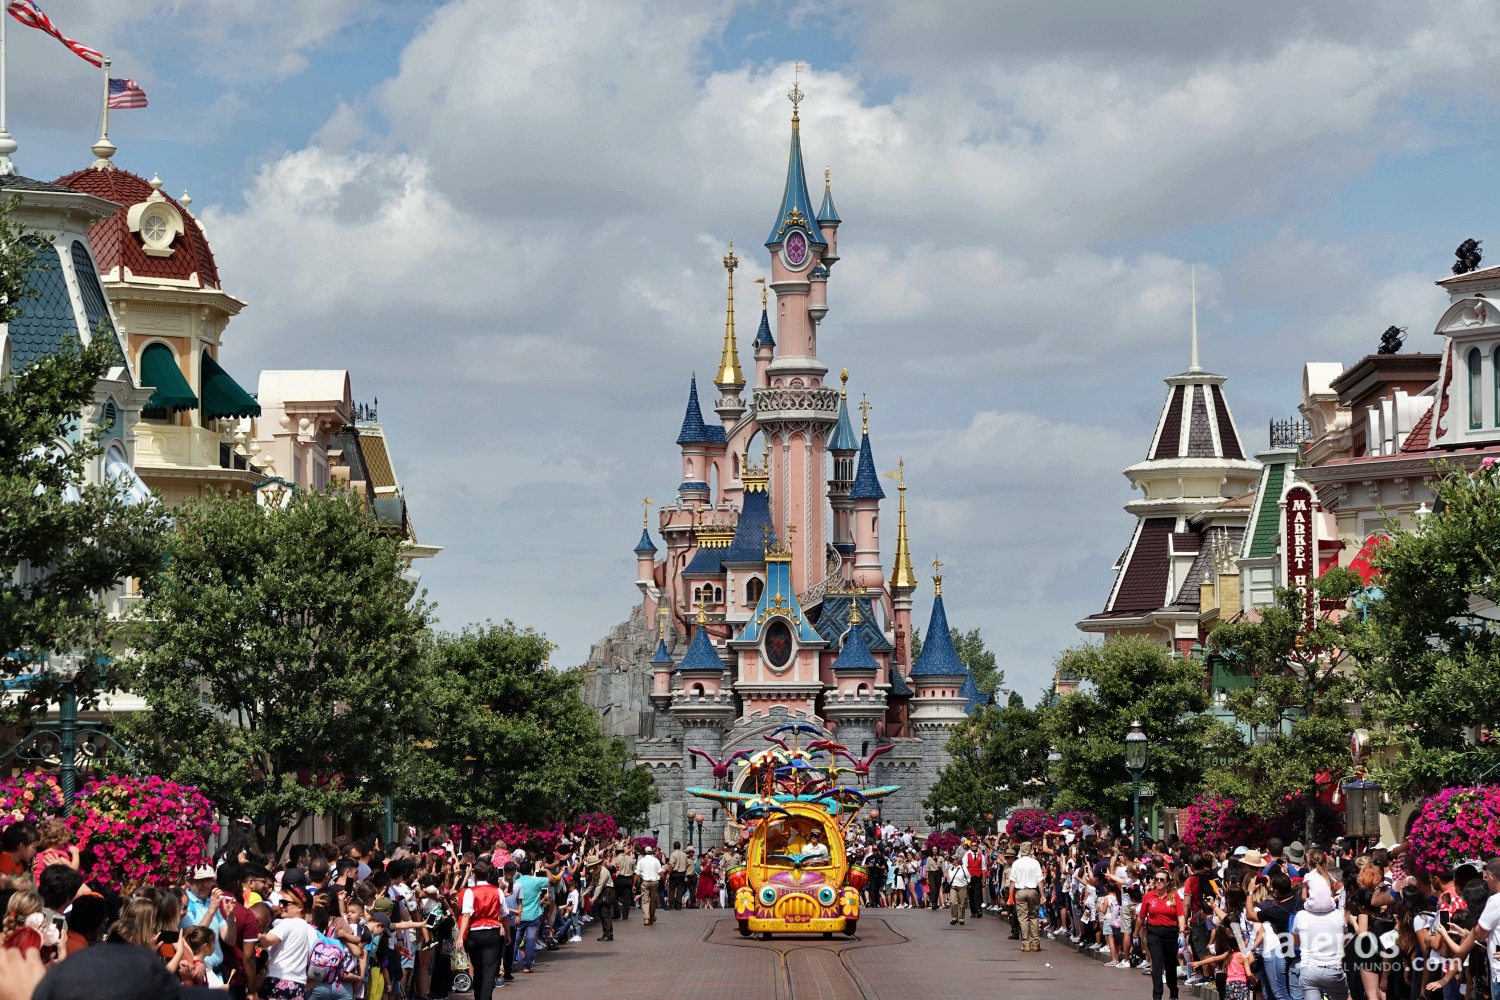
point(648, 878)
point(1026, 880)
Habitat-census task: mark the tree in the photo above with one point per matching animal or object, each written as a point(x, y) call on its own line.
point(281, 654)
point(1126, 680)
point(1431, 664)
point(509, 739)
point(1294, 721)
point(63, 542)
point(999, 758)
point(972, 652)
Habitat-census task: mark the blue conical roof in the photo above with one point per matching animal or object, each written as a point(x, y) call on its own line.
point(701, 655)
point(763, 335)
point(843, 431)
point(645, 544)
point(866, 479)
point(796, 210)
point(662, 656)
point(694, 430)
point(827, 214)
point(855, 655)
point(938, 657)
point(750, 535)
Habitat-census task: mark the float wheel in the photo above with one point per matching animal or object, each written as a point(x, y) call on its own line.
point(765, 935)
point(849, 926)
point(828, 935)
point(744, 928)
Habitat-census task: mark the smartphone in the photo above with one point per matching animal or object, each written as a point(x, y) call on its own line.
point(1444, 917)
point(168, 937)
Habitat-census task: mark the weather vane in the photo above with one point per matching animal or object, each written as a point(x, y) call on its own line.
point(865, 406)
point(731, 261)
point(795, 94)
point(900, 473)
point(646, 506)
point(762, 283)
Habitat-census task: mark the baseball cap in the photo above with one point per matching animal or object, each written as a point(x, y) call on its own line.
point(1241, 851)
point(202, 871)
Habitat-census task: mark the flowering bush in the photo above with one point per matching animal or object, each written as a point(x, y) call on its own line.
point(594, 827)
point(1080, 818)
point(1212, 822)
point(140, 830)
point(1028, 824)
point(30, 796)
point(942, 841)
point(1453, 825)
point(644, 842)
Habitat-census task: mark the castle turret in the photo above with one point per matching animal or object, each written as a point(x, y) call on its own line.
point(645, 562)
point(828, 221)
point(730, 378)
point(661, 665)
point(696, 439)
point(765, 344)
point(939, 676)
point(845, 446)
point(703, 704)
point(865, 494)
point(856, 705)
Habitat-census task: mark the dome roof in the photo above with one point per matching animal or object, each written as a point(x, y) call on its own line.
point(116, 243)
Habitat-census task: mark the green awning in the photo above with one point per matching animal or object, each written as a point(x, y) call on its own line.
point(222, 395)
point(159, 370)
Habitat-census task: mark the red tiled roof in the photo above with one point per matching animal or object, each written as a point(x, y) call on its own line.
point(1419, 438)
point(1143, 583)
point(1186, 541)
point(1442, 402)
point(115, 245)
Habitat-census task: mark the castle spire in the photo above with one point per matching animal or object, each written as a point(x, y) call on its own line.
point(828, 216)
point(902, 577)
point(796, 210)
point(730, 376)
point(1194, 366)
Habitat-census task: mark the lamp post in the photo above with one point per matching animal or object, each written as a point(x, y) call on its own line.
point(1135, 762)
point(696, 820)
point(67, 668)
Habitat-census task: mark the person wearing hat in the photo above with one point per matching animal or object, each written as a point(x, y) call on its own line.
point(1026, 880)
point(288, 945)
point(205, 905)
point(648, 882)
point(601, 888)
point(1253, 859)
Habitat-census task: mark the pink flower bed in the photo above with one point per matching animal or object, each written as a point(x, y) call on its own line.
point(942, 841)
point(595, 827)
point(1028, 824)
point(141, 829)
point(1454, 825)
point(1211, 823)
point(30, 796)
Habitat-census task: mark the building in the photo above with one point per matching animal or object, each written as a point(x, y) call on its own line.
point(766, 601)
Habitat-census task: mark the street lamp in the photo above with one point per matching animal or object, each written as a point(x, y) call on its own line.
point(1136, 755)
point(696, 819)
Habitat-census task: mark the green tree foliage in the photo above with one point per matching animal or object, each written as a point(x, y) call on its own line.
point(1431, 667)
point(281, 653)
point(1294, 721)
point(999, 758)
point(1124, 680)
point(972, 652)
point(507, 738)
point(71, 548)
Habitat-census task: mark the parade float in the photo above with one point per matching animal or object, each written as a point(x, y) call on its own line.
point(794, 812)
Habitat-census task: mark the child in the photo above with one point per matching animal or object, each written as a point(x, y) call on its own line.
point(54, 847)
point(1110, 910)
point(197, 943)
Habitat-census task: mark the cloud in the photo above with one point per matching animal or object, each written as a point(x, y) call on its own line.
point(514, 241)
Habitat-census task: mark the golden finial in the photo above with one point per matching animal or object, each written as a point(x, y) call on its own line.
point(795, 94)
point(827, 177)
point(854, 616)
point(844, 378)
point(729, 364)
point(865, 406)
point(646, 506)
point(661, 619)
point(937, 576)
point(702, 610)
point(762, 283)
point(902, 576)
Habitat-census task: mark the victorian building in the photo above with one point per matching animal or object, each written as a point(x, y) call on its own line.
point(763, 596)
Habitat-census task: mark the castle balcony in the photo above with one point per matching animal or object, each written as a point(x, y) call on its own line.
point(797, 403)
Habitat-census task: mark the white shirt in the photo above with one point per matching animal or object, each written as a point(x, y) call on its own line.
point(289, 958)
point(1489, 922)
point(958, 875)
point(1321, 938)
point(648, 867)
point(1026, 873)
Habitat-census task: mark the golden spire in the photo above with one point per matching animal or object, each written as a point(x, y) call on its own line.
point(854, 616)
point(937, 577)
point(844, 378)
point(646, 505)
point(902, 577)
point(865, 407)
point(795, 94)
point(729, 364)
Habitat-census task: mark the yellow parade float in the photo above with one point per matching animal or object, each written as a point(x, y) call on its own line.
point(797, 877)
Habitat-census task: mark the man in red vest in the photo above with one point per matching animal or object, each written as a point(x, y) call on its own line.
point(974, 860)
point(483, 929)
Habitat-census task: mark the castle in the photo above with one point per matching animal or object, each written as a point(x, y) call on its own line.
point(767, 601)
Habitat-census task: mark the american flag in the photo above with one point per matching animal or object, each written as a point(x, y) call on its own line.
point(126, 94)
point(29, 14)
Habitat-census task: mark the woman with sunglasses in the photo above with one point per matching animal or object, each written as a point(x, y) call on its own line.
point(1163, 923)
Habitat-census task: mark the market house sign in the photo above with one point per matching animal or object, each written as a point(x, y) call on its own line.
point(1299, 547)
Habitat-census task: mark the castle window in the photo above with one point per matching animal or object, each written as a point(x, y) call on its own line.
point(753, 589)
point(1476, 400)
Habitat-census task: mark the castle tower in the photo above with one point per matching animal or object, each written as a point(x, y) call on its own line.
point(703, 704)
point(661, 665)
point(796, 412)
point(903, 582)
point(939, 676)
point(645, 562)
point(845, 446)
point(1195, 463)
point(865, 495)
point(698, 442)
point(765, 344)
point(856, 705)
point(829, 221)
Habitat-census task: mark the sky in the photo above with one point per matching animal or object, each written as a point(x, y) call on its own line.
point(505, 218)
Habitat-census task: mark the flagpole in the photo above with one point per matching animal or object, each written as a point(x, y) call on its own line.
point(105, 130)
point(104, 149)
point(7, 144)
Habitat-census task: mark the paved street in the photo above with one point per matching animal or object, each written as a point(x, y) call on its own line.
point(897, 955)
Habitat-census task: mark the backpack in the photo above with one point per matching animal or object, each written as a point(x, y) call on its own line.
point(326, 961)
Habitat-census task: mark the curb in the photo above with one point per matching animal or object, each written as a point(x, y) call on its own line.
point(1207, 992)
